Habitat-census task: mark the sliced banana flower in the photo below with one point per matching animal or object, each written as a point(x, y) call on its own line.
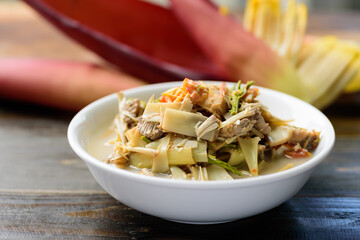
point(199, 173)
point(181, 122)
point(179, 141)
point(155, 108)
point(209, 125)
point(243, 114)
point(186, 104)
point(147, 151)
point(217, 173)
point(161, 162)
point(123, 150)
point(119, 121)
point(177, 173)
point(279, 135)
point(191, 144)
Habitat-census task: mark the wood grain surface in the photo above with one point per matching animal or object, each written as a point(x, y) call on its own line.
point(46, 191)
point(90, 216)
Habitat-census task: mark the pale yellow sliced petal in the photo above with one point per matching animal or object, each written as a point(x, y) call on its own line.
point(354, 83)
point(249, 15)
point(288, 28)
point(155, 108)
point(200, 153)
point(180, 156)
point(338, 86)
point(301, 22)
point(325, 73)
point(160, 162)
point(181, 122)
point(217, 173)
point(140, 160)
point(249, 146)
point(261, 17)
point(177, 173)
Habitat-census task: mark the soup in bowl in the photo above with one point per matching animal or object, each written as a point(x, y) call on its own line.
point(209, 191)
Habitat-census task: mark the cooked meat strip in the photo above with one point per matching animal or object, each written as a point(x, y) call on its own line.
point(237, 129)
point(219, 106)
point(132, 109)
point(260, 124)
point(307, 140)
point(218, 102)
point(215, 102)
point(312, 141)
point(149, 129)
point(243, 126)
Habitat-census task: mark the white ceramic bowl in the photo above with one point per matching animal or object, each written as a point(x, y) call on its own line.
point(200, 202)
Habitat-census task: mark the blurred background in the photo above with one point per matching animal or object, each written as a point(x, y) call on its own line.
point(22, 16)
point(316, 5)
point(25, 34)
point(313, 5)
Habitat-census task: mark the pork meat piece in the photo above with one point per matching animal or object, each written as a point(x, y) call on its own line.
point(306, 139)
point(149, 129)
point(132, 109)
point(260, 124)
point(237, 129)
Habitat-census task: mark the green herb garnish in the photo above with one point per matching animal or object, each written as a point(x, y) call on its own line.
point(145, 139)
point(231, 146)
point(237, 94)
point(198, 89)
point(215, 161)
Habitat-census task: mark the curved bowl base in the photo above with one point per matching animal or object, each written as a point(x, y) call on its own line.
point(200, 223)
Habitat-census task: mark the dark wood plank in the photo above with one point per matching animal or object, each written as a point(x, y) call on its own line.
point(98, 215)
point(34, 151)
point(339, 174)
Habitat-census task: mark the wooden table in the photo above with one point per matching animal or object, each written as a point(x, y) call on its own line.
point(46, 191)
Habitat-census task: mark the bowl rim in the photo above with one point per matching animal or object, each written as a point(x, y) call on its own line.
point(263, 179)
